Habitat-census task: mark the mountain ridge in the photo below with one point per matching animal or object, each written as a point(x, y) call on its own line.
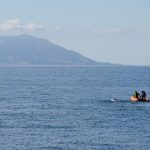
point(30, 50)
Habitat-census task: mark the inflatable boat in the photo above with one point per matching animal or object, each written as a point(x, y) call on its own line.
point(133, 99)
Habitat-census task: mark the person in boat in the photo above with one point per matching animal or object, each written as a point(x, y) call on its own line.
point(136, 95)
point(143, 95)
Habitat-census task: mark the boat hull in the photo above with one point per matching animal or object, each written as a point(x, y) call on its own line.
point(133, 99)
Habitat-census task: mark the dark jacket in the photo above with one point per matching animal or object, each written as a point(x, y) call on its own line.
point(143, 95)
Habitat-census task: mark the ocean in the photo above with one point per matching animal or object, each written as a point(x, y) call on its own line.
point(72, 108)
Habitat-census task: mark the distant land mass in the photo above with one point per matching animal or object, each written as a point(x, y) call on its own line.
point(29, 50)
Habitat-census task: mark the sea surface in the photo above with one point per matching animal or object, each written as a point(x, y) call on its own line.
point(73, 108)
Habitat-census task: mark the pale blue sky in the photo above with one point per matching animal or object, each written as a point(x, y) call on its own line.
point(116, 31)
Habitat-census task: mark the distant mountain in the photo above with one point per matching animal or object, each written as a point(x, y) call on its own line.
point(29, 50)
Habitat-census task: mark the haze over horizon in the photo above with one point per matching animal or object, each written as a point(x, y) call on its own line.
point(113, 31)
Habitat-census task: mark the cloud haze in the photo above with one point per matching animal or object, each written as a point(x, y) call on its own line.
point(106, 31)
point(15, 24)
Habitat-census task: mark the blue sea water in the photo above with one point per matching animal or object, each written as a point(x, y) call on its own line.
point(72, 108)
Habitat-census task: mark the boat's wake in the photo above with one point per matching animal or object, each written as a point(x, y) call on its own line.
point(113, 99)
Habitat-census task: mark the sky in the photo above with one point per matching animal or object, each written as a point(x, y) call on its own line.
point(115, 31)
